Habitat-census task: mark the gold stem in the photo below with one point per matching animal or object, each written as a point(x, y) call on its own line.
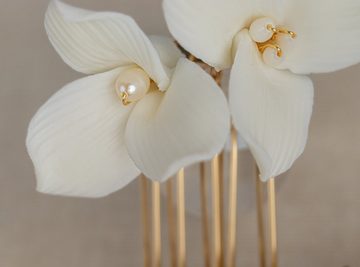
point(171, 222)
point(272, 218)
point(260, 219)
point(231, 249)
point(156, 216)
point(145, 220)
point(204, 216)
point(215, 179)
point(181, 218)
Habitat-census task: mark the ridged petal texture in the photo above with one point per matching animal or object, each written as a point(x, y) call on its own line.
point(206, 28)
point(186, 124)
point(76, 140)
point(328, 34)
point(92, 42)
point(271, 109)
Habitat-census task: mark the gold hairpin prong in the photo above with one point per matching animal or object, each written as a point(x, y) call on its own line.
point(277, 30)
point(272, 222)
point(263, 46)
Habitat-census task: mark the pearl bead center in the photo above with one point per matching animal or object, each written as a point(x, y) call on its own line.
point(132, 85)
point(271, 40)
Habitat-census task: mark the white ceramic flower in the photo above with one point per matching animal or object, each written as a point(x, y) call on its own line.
point(143, 109)
point(270, 45)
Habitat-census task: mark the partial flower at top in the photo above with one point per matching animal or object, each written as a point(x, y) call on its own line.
point(143, 109)
point(270, 45)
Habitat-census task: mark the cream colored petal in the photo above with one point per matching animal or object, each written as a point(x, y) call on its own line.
point(93, 42)
point(206, 28)
point(186, 124)
point(167, 50)
point(271, 109)
point(76, 140)
point(328, 35)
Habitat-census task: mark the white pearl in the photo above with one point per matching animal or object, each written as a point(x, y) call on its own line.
point(271, 57)
point(259, 31)
point(134, 82)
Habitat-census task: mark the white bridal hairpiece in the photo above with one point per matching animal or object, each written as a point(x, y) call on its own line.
point(146, 108)
point(84, 143)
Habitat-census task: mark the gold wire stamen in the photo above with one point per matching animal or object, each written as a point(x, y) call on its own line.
point(124, 98)
point(263, 46)
point(280, 30)
point(272, 43)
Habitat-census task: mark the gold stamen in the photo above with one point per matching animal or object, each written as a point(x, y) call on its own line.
point(277, 30)
point(263, 46)
point(124, 98)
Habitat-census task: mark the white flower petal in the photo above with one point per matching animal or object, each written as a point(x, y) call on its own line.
point(206, 28)
point(328, 35)
point(92, 42)
point(186, 124)
point(76, 140)
point(271, 109)
point(167, 50)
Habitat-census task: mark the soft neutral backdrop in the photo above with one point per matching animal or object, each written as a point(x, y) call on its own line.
point(318, 200)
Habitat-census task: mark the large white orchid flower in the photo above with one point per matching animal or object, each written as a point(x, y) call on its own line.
point(143, 109)
point(270, 45)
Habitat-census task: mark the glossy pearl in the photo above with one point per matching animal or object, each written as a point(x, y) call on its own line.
point(134, 82)
point(259, 31)
point(271, 57)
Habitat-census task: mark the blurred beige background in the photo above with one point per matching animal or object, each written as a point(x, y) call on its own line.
point(319, 199)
